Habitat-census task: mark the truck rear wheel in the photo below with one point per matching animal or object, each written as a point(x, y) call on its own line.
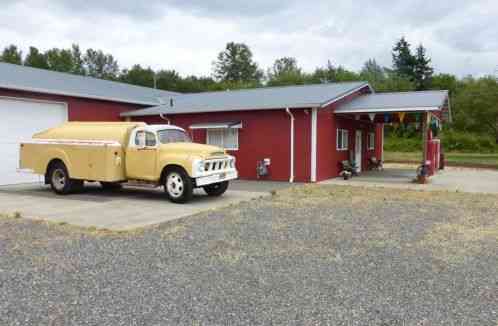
point(216, 189)
point(60, 182)
point(178, 186)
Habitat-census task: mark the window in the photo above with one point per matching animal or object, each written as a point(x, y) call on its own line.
point(173, 136)
point(342, 139)
point(224, 138)
point(147, 138)
point(371, 140)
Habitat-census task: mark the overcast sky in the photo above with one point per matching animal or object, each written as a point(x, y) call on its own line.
point(461, 36)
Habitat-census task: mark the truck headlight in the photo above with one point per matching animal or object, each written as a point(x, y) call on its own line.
point(198, 167)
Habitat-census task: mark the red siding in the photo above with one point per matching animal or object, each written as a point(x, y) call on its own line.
point(265, 134)
point(80, 109)
point(328, 157)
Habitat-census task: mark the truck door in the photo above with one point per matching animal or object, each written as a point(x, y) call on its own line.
point(141, 156)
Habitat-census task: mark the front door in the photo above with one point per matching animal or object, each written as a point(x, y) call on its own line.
point(358, 149)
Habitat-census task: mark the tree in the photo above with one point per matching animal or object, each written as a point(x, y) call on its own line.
point(138, 76)
point(11, 54)
point(36, 59)
point(236, 65)
point(100, 65)
point(332, 74)
point(285, 71)
point(403, 60)
point(77, 59)
point(60, 60)
point(423, 71)
point(373, 72)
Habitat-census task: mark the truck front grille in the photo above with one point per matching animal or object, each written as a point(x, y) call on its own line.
point(219, 165)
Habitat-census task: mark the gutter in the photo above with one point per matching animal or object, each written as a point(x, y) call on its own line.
point(162, 116)
point(291, 116)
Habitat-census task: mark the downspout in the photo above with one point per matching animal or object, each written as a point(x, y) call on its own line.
point(164, 118)
point(291, 116)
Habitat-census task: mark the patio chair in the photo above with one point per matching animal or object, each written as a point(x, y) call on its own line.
point(375, 164)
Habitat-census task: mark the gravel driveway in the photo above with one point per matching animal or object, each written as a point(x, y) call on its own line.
point(311, 255)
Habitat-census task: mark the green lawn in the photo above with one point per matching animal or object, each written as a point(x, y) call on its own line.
point(472, 159)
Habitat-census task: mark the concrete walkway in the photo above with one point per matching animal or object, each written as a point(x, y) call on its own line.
point(125, 209)
point(451, 179)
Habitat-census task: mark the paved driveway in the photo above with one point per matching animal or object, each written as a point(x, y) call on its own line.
point(119, 210)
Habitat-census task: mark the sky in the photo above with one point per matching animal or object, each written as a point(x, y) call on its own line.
point(461, 36)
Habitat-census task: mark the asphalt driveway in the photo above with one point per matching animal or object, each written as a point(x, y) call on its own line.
point(311, 255)
point(125, 209)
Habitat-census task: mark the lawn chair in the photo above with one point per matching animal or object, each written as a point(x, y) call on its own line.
point(375, 164)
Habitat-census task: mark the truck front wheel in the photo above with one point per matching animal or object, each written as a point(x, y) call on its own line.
point(216, 189)
point(59, 179)
point(178, 186)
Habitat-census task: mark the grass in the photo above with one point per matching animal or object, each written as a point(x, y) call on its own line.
point(457, 159)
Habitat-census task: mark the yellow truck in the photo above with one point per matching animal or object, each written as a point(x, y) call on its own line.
point(114, 153)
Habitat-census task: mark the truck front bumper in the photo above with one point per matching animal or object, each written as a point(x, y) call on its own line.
point(216, 178)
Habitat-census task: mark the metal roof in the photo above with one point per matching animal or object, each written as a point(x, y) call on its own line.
point(50, 82)
point(303, 96)
point(393, 102)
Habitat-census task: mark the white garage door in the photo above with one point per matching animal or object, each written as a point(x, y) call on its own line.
point(19, 120)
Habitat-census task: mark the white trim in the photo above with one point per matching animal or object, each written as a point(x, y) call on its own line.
point(80, 95)
point(76, 142)
point(314, 125)
point(381, 110)
point(346, 148)
point(217, 125)
point(347, 94)
point(27, 99)
point(291, 116)
point(382, 146)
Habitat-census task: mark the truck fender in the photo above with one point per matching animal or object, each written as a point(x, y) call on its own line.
point(57, 154)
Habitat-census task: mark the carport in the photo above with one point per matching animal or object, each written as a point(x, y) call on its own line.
point(429, 108)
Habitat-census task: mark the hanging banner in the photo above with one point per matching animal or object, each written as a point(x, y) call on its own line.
point(401, 116)
point(372, 116)
point(387, 117)
point(357, 116)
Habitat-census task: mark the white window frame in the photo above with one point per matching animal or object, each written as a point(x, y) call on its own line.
point(224, 130)
point(371, 141)
point(345, 139)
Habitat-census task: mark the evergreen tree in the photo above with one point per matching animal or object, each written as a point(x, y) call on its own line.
point(423, 70)
point(11, 54)
point(403, 60)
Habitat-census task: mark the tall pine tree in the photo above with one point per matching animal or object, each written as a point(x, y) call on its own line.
point(403, 60)
point(423, 70)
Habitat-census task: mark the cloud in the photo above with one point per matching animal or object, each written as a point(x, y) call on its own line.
point(461, 36)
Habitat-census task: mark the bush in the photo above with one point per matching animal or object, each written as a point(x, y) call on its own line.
point(452, 141)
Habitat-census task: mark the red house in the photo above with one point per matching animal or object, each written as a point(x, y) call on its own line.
point(299, 133)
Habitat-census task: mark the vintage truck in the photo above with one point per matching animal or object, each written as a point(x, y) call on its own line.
point(114, 153)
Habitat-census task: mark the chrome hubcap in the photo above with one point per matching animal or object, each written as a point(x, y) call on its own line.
point(174, 185)
point(59, 179)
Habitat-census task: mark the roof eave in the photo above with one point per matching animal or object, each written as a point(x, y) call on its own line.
point(69, 94)
point(394, 109)
point(340, 97)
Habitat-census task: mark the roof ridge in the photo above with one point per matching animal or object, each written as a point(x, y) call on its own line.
point(84, 77)
point(277, 87)
point(401, 92)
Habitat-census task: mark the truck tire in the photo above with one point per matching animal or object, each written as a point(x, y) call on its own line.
point(216, 189)
point(60, 182)
point(111, 185)
point(178, 186)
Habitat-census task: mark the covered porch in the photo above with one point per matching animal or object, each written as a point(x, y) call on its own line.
point(427, 109)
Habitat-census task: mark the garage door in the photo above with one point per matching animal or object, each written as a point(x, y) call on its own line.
point(19, 120)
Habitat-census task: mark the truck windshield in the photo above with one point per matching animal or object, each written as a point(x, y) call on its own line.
point(173, 136)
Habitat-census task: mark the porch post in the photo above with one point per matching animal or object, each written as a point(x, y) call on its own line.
point(425, 133)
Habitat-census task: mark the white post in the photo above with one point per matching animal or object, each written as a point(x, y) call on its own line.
point(291, 177)
point(314, 120)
